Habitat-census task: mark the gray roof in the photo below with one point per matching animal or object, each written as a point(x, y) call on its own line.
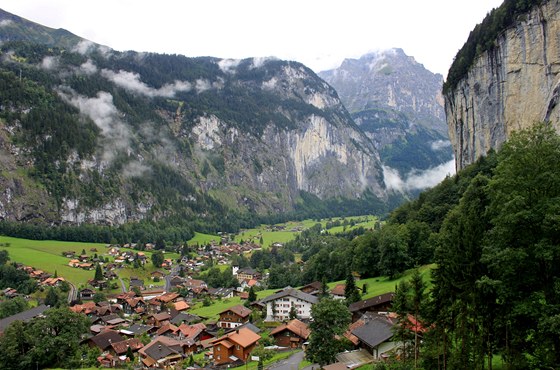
point(374, 332)
point(372, 302)
point(159, 350)
point(291, 292)
point(185, 317)
point(22, 316)
point(139, 329)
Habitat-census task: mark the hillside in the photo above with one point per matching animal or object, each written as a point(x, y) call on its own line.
point(91, 135)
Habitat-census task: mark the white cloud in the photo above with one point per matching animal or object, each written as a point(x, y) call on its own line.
point(131, 81)
point(134, 169)
point(228, 65)
point(417, 180)
point(106, 116)
point(49, 63)
point(88, 67)
point(84, 47)
point(5, 22)
point(440, 144)
point(260, 61)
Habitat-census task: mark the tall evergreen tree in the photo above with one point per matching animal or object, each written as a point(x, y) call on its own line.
point(98, 273)
point(351, 291)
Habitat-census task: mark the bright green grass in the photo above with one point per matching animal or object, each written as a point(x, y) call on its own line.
point(293, 228)
point(203, 239)
point(46, 255)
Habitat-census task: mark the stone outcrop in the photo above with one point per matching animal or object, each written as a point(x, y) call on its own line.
point(511, 87)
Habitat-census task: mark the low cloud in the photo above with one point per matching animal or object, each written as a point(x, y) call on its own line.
point(135, 169)
point(228, 65)
point(417, 180)
point(102, 111)
point(88, 67)
point(440, 144)
point(49, 63)
point(84, 47)
point(131, 81)
point(260, 61)
point(5, 22)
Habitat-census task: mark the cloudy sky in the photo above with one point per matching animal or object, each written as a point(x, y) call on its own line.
point(318, 33)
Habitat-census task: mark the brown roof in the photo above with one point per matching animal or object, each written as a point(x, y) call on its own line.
point(295, 326)
point(104, 340)
point(191, 331)
point(181, 305)
point(244, 337)
point(167, 297)
point(239, 310)
point(121, 347)
point(338, 289)
point(167, 327)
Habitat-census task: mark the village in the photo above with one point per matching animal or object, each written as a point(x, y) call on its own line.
point(150, 323)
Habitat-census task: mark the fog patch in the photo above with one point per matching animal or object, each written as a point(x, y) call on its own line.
point(260, 61)
point(228, 65)
point(131, 81)
point(5, 22)
point(102, 111)
point(134, 169)
point(440, 144)
point(49, 63)
point(84, 47)
point(88, 67)
point(416, 179)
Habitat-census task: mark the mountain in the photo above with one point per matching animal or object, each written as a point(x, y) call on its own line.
point(506, 77)
point(89, 134)
point(398, 103)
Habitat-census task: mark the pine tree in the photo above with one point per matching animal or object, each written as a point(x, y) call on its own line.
point(98, 273)
point(351, 291)
point(252, 295)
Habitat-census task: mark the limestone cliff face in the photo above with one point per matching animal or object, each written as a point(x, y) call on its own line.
point(509, 88)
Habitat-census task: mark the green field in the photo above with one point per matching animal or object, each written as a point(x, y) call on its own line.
point(46, 255)
point(287, 231)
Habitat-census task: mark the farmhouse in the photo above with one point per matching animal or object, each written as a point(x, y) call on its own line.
point(292, 334)
point(234, 346)
point(234, 316)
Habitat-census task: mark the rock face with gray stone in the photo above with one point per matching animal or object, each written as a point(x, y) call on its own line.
point(508, 88)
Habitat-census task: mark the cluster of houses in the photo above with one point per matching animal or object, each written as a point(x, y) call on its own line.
point(43, 279)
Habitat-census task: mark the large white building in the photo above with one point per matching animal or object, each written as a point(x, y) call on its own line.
point(278, 305)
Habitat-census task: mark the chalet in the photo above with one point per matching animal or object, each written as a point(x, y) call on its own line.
point(157, 274)
point(135, 282)
point(141, 257)
point(69, 254)
point(104, 340)
point(313, 288)
point(279, 305)
point(159, 319)
point(380, 303)
point(168, 297)
point(181, 306)
point(221, 292)
point(292, 334)
point(234, 347)
point(176, 281)
point(338, 291)
point(375, 335)
point(83, 257)
point(195, 332)
point(234, 316)
point(86, 293)
point(138, 330)
point(53, 281)
point(110, 275)
point(168, 330)
point(114, 251)
point(162, 352)
point(121, 348)
point(134, 305)
point(10, 292)
point(248, 274)
point(183, 317)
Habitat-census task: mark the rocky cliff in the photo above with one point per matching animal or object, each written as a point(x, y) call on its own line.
point(509, 87)
point(88, 134)
point(398, 103)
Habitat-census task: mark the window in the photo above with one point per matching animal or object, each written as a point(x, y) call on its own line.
point(237, 347)
point(218, 349)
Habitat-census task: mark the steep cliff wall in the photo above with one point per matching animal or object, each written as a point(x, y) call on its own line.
point(511, 87)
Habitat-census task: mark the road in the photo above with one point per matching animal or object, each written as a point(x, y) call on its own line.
point(122, 285)
point(291, 363)
point(174, 271)
point(72, 293)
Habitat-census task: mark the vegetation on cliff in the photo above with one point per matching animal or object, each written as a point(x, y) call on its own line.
point(483, 38)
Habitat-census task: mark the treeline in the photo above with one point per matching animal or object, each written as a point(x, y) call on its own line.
point(483, 37)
